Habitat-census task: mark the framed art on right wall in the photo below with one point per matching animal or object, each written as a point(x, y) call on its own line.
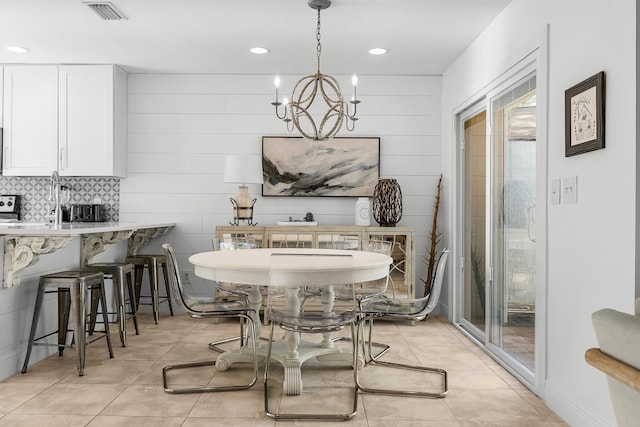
point(584, 116)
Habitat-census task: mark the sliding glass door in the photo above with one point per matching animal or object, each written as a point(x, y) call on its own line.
point(475, 203)
point(496, 297)
point(513, 173)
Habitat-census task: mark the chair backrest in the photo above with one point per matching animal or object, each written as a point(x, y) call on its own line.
point(233, 243)
point(619, 357)
point(378, 286)
point(380, 246)
point(175, 283)
point(436, 285)
point(344, 242)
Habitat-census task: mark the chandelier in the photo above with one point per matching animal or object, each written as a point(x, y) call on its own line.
point(299, 112)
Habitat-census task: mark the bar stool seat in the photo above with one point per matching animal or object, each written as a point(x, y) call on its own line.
point(72, 288)
point(118, 272)
point(151, 263)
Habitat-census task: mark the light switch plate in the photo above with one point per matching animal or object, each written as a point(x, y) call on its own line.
point(570, 189)
point(555, 191)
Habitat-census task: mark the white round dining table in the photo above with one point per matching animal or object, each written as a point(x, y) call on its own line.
point(252, 267)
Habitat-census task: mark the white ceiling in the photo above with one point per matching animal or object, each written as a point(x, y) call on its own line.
point(213, 36)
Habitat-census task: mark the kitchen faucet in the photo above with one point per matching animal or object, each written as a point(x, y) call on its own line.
point(54, 195)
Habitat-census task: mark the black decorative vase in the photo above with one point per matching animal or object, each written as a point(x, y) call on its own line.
point(387, 202)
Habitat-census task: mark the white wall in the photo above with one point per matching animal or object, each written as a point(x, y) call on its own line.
point(590, 245)
point(182, 126)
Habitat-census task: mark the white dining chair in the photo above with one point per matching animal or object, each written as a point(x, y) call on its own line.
point(207, 307)
point(323, 315)
point(231, 244)
point(384, 307)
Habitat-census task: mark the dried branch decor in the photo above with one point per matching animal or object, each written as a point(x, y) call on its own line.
point(434, 237)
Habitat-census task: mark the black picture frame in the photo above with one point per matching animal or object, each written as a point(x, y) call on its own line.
point(338, 167)
point(584, 116)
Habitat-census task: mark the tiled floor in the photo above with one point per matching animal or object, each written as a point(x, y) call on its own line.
point(127, 390)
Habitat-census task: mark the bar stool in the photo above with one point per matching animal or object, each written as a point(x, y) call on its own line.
point(72, 288)
point(118, 272)
point(151, 263)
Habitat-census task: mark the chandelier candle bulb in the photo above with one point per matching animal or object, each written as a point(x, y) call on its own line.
point(354, 82)
point(276, 83)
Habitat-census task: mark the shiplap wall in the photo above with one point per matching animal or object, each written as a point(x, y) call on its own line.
point(181, 127)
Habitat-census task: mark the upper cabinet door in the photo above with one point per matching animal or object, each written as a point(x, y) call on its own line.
point(30, 107)
point(92, 141)
point(1, 97)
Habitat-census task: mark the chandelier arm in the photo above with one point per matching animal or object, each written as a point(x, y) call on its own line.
point(289, 123)
point(352, 116)
point(278, 115)
point(353, 124)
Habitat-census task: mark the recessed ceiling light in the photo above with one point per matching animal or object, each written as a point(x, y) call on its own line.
point(259, 50)
point(17, 49)
point(378, 51)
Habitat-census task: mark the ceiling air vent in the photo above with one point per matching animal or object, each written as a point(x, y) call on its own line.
point(106, 11)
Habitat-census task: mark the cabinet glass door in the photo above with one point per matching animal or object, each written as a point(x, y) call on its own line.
point(292, 239)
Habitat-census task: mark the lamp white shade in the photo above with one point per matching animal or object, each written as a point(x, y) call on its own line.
point(243, 169)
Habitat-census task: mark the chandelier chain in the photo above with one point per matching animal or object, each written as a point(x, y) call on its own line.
point(319, 46)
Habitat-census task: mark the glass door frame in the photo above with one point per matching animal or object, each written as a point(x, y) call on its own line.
point(468, 113)
point(537, 62)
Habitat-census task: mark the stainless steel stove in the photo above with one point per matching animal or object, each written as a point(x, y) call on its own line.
point(9, 208)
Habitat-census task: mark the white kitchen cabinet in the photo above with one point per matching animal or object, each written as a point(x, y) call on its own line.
point(1, 97)
point(30, 107)
point(70, 118)
point(92, 114)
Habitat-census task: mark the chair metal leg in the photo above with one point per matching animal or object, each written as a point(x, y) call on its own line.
point(138, 272)
point(213, 345)
point(132, 302)
point(78, 306)
point(105, 319)
point(367, 351)
point(64, 305)
point(415, 393)
point(165, 276)
point(153, 280)
point(322, 417)
point(206, 389)
point(118, 285)
point(34, 325)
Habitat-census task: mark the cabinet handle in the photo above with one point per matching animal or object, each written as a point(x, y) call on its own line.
point(5, 159)
point(62, 158)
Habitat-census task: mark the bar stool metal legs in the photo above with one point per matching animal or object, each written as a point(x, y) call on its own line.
point(152, 262)
point(73, 285)
point(119, 273)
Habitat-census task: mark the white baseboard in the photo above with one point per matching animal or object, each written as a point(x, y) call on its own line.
point(573, 414)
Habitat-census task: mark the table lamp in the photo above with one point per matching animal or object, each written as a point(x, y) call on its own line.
point(243, 169)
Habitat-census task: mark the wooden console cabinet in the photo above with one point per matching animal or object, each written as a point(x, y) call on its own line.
point(403, 269)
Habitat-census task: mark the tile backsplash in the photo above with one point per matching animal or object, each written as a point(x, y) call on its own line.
point(35, 202)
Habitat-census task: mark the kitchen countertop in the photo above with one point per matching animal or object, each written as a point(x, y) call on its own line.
point(73, 228)
point(25, 242)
